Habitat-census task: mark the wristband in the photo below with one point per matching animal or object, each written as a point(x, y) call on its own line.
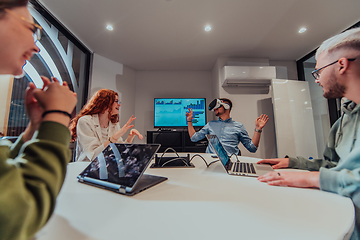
point(56, 111)
point(257, 130)
point(110, 140)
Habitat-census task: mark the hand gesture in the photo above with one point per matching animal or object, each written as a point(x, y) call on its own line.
point(124, 129)
point(134, 132)
point(189, 115)
point(276, 162)
point(52, 96)
point(291, 179)
point(261, 121)
point(33, 109)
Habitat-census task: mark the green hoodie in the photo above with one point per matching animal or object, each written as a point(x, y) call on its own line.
point(31, 175)
point(340, 168)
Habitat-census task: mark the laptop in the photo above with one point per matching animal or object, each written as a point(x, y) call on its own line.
point(120, 168)
point(237, 168)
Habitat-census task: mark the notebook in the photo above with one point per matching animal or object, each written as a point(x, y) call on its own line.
point(237, 168)
point(120, 168)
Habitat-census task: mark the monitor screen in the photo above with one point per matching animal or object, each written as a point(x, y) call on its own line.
point(170, 112)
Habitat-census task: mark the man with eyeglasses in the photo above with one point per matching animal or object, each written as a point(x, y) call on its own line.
point(32, 169)
point(338, 73)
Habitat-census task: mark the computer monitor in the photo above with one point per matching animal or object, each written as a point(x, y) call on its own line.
point(170, 112)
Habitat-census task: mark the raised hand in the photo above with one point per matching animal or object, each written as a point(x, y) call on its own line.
point(134, 132)
point(52, 96)
point(33, 109)
point(189, 115)
point(261, 121)
point(124, 129)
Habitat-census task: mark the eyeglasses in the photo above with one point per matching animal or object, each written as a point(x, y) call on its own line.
point(37, 28)
point(316, 73)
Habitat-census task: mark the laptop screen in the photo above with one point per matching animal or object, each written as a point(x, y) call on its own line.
point(219, 149)
point(121, 164)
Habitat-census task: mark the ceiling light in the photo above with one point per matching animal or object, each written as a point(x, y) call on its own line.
point(207, 28)
point(302, 30)
point(109, 27)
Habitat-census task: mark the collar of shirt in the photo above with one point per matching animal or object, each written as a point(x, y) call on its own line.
point(227, 120)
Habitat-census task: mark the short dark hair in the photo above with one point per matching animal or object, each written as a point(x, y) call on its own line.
point(228, 101)
point(11, 4)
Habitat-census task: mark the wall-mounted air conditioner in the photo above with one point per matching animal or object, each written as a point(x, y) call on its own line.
point(247, 76)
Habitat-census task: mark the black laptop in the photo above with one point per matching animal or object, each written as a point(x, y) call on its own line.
point(120, 168)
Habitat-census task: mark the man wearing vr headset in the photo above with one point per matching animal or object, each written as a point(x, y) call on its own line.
point(229, 132)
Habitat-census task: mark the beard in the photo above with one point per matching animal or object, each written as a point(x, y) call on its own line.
point(219, 112)
point(336, 90)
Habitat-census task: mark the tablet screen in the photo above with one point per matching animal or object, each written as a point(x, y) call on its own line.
point(121, 164)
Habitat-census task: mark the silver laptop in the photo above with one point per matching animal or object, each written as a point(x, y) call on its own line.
point(237, 168)
point(120, 168)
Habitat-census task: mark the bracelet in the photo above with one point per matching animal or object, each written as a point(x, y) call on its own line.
point(189, 121)
point(110, 140)
point(56, 111)
point(257, 130)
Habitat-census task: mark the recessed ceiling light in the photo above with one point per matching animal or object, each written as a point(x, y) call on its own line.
point(302, 30)
point(109, 27)
point(207, 28)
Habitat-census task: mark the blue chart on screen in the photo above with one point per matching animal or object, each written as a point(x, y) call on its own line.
point(170, 112)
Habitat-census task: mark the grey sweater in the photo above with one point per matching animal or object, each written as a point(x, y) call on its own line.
point(340, 167)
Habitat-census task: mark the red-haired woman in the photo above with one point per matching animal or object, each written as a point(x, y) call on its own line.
point(97, 125)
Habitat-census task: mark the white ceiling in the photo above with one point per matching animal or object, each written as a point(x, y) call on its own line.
point(169, 34)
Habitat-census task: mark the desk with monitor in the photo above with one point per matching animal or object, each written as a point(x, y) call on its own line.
point(198, 203)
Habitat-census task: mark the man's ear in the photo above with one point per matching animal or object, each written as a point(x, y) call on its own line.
point(343, 65)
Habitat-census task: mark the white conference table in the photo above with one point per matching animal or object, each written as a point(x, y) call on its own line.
point(197, 203)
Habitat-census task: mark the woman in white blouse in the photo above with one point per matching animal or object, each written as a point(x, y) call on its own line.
point(97, 125)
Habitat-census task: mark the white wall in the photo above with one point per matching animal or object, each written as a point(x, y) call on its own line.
point(112, 75)
point(164, 84)
point(104, 72)
point(6, 82)
point(126, 86)
point(290, 67)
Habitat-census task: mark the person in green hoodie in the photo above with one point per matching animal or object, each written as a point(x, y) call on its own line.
point(338, 73)
point(32, 169)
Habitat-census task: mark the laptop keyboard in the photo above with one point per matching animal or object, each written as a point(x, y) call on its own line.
point(240, 167)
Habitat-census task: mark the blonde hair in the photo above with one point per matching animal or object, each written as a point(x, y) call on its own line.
point(349, 39)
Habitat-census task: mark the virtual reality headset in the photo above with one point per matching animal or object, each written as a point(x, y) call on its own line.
point(216, 103)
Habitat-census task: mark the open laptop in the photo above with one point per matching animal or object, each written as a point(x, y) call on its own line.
point(236, 168)
point(120, 167)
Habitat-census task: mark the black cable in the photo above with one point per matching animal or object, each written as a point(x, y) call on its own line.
point(198, 155)
point(178, 157)
point(169, 148)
